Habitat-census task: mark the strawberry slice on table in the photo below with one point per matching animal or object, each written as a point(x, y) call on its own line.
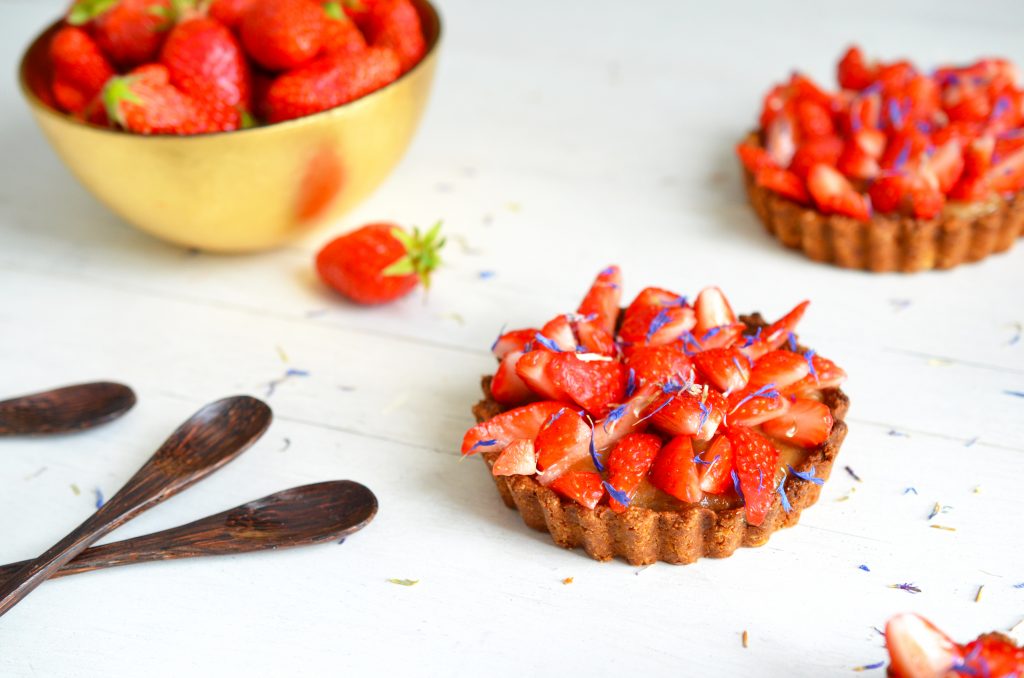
point(507, 388)
point(496, 433)
point(675, 472)
point(825, 374)
point(584, 487)
point(628, 464)
point(712, 310)
point(717, 468)
point(519, 458)
point(806, 423)
point(532, 368)
point(779, 368)
point(593, 382)
point(834, 194)
point(656, 317)
point(659, 364)
point(783, 182)
point(756, 405)
point(918, 649)
point(603, 299)
point(756, 460)
point(562, 442)
point(724, 368)
point(516, 340)
point(129, 32)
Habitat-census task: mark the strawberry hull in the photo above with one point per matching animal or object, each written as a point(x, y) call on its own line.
point(680, 535)
point(888, 242)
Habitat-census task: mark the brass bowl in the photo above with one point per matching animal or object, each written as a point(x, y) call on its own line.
point(247, 190)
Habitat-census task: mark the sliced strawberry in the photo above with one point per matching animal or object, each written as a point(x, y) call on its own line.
point(583, 487)
point(675, 472)
point(756, 405)
point(779, 368)
point(686, 414)
point(978, 156)
point(532, 369)
point(561, 443)
point(604, 298)
point(656, 317)
point(753, 157)
point(595, 339)
point(722, 337)
point(716, 474)
point(724, 368)
point(812, 151)
point(659, 364)
point(856, 164)
point(972, 189)
point(918, 649)
point(904, 149)
point(594, 382)
point(776, 334)
point(712, 309)
point(871, 142)
point(629, 463)
point(891, 193)
point(495, 433)
point(813, 119)
point(507, 388)
point(993, 654)
point(826, 374)
point(926, 200)
point(516, 340)
point(865, 110)
point(519, 458)
point(834, 195)
point(854, 71)
point(756, 461)
point(783, 182)
point(557, 334)
point(944, 167)
point(804, 89)
point(626, 418)
point(1007, 176)
point(780, 139)
point(807, 423)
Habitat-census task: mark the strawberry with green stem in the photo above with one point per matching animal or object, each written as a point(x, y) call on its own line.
point(145, 102)
point(129, 32)
point(380, 262)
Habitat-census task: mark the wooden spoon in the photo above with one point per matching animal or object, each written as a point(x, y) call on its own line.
point(301, 516)
point(62, 410)
point(212, 437)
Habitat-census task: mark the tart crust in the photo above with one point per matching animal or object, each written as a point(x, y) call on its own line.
point(643, 536)
point(888, 242)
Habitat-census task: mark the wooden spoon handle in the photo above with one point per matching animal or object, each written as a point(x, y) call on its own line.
point(211, 438)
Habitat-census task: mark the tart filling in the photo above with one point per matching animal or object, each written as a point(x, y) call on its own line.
point(665, 408)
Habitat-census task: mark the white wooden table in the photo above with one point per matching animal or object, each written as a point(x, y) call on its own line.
point(560, 138)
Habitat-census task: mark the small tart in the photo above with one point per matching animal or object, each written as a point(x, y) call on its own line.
point(655, 525)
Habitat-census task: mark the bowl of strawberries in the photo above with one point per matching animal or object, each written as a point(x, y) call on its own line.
point(232, 125)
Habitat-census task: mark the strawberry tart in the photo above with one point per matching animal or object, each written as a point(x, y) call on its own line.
point(918, 649)
point(664, 431)
point(898, 170)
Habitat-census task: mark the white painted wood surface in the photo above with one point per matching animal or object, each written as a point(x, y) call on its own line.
point(561, 137)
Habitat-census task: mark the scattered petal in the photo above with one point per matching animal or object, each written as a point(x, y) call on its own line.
point(864, 567)
point(852, 473)
point(745, 638)
point(977, 596)
point(909, 588)
point(99, 497)
point(869, 667)
point(567, 580)
point(404, 582)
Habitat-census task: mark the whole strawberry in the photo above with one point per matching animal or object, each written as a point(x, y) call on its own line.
point(206, 62)
point(79, 69)
point(130, 32)
point(330, 81)
point(380, 262)
point(145, 102)
point(283, 34)
point(341, 35)
point(396, 24)
point(230, 12)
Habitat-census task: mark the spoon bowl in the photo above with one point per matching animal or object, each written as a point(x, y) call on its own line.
point(67, 409)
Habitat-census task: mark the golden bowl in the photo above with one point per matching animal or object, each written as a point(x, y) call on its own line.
point(247, 190)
